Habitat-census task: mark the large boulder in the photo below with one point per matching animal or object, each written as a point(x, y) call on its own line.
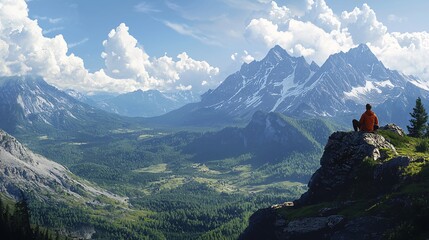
point(393, 128)
point(344, 153)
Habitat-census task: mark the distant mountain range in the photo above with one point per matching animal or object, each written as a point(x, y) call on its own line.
point(138, 103)
point(339, 89)
point(29, 104)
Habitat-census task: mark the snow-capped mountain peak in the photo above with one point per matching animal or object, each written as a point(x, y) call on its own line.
point(36, 100)
point(277, 54)
point(286, 84)
point(30, 104)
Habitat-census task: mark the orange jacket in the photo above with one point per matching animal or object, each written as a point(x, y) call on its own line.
point(367, 121)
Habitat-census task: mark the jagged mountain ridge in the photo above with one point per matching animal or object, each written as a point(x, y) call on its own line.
point(21, 169)
point(29, 104)
point(261, 84)
point(339, 89)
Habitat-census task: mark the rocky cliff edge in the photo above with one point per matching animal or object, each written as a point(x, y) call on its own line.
point(365, 188)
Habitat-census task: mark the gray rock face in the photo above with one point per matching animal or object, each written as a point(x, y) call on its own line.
point(21, 169)
point(11, 145)
point(312, 226)
point(344, 152)
point(363, 228)
point(348, 157)
point(394, 128)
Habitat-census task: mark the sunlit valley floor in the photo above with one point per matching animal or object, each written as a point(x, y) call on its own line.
point(181, 184)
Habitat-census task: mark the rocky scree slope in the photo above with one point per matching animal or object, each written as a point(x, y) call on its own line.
point(366, 188)
point(23, 170)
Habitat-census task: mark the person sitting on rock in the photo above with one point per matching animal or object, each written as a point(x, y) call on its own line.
point(368, 121)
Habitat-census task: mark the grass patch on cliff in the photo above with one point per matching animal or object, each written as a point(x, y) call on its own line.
point(405, 145)
point(394, 138)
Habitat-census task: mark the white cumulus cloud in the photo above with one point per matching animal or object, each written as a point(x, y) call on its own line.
point(125, 59)
point(318, 32)
point(25, 51)
point(319, 13)
point(245, 57)
point(122, 57)
point(363, 25)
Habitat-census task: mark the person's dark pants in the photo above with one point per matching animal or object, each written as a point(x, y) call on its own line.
point(356, 125)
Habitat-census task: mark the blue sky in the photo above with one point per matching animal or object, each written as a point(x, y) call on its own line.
point(192, 44)
point(87, 23)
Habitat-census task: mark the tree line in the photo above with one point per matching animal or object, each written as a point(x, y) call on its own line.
point(15, 223)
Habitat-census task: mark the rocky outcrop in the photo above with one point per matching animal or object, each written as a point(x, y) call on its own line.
point(362, 228)
point(393, 128)
point(262, 225)
point(312, 227)
point(11, 145)
point(344, 152)
point(356, 170)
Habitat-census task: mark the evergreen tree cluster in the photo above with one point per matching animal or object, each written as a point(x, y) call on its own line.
point(15, 224)
point(418, 124)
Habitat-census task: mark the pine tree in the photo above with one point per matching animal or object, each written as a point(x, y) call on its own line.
point(3, 222)
point(46, 235)
point(21, 219)
point(57, 236)
point(419, 116)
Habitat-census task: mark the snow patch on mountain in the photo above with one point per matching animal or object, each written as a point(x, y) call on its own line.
point(22, 105)
point(420, 84)
point(373, 91)
point(339, 88)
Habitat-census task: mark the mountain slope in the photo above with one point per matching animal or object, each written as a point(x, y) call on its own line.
point(262, 85)
point(365, 185)
point(21, 169)
point(29, 104)
point(338, 89)
point(270, 136)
